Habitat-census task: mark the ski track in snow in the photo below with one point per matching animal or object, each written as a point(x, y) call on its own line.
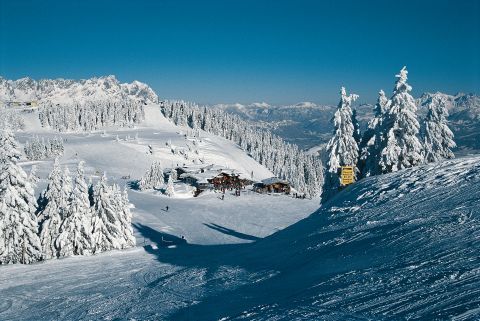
point(398, 246)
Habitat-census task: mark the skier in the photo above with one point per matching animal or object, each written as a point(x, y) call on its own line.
point(223, 197)
point(166, 208)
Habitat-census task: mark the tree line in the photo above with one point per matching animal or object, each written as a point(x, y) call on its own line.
point(36, 148)
point(92, 115)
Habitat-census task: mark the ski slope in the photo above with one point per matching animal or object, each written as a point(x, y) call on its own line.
point(398, 246)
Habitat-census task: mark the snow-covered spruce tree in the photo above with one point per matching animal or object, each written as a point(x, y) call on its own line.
point(67, 189)
point(342, 149)
point(32, 176)
point(400, 146)
point(19, 242)
point(437, 136)
point(371, 140)
point(357, 135)
point(170, 190)
point(91, 192)
point(76, 230)
point(106, 227)
point(54, 206)
point(174, 174)
point(153, 178)
point(124, 215)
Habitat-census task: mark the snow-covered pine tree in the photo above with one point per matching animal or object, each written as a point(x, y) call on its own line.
point(67, 189)
point(19, 242)
point(170, 190)
point(32, 176)
point(174, 174)
point(91, 191)
point(400, 146)
point(75, 237)
point(153, 178)
point(124, 216)
point(127, 220)
point(357, 135)
point(437, 136)
point(342, 148)
point(106, 227)
point(50, 216)
point(371, 140)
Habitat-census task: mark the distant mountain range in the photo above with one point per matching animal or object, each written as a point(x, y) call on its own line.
point(306, 124)
point(68, 90)
point(309, 125)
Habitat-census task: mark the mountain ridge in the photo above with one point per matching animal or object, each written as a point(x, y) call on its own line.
point(62, 90)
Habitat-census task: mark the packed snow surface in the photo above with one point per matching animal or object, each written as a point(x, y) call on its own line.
point(397, 246)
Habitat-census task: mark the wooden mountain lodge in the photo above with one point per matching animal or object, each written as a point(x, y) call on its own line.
point(272, 185)
point(213, 178)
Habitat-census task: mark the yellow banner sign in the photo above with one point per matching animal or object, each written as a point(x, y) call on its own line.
point(347, 175)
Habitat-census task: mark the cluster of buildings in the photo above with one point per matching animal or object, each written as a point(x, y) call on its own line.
point(214, 177)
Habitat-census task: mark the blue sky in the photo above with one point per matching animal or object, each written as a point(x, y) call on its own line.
point(246, 51)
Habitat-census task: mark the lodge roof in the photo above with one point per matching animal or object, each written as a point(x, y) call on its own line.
point(274, 180)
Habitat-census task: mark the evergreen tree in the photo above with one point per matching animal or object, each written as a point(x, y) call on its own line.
point(342, 148)
point(32, 177)
point(438, 138)
point(51, 215)
point(174, 174)
point(400, 146)
point(357, 135)
point(371, 141)
point(91, 192)
point(19, 242)
point(75, 237)
point(67, 189)
point(153, 178)
point(170, 190)
point(106, 228)
point(124, 216)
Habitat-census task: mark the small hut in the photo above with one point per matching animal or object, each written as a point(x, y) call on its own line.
point(272, 185)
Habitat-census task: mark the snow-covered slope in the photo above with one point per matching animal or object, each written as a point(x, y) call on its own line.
point(67, 90)
point(398, 246)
